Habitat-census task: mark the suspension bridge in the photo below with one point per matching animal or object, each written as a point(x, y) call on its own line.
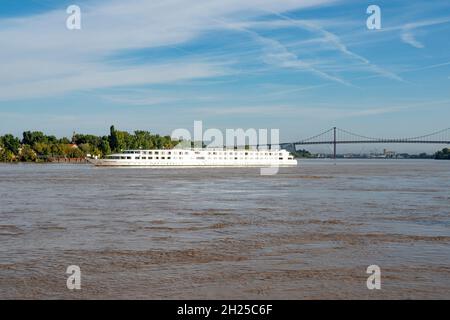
point(335, 136)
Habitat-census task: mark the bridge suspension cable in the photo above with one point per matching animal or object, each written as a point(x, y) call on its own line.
point(447, 130)
point(345, 136)
point(317, 135)
point(355, 134)
point(336, 136)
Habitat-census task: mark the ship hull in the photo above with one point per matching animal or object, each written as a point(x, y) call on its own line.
point(123, 163)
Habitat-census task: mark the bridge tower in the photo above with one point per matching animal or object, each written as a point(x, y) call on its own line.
point(334, 143)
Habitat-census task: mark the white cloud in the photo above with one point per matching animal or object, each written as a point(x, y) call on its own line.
point(108, 77)
point(407, 35)
point(40, 57)
point(408, 38)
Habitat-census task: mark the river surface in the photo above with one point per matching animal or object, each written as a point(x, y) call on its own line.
point(308, 232)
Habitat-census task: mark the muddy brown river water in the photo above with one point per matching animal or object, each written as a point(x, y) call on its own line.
point(308, 232)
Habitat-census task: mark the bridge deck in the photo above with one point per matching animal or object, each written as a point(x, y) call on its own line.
point(369, 141)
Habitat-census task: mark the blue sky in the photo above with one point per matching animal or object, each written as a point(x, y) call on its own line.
point(298, 65)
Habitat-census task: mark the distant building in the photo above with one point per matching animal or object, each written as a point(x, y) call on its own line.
point(389, 154)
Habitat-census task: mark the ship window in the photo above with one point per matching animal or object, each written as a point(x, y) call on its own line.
point(156, 152)
point(168, 158)
point(169, 152)
point(144, 158)
point(180, 152)
point(186, 152)
point(128, 157)
point(150, 158)
point(137, 158)
point(163, 158)
point(280, 158)
point(197, 152)
point(235, 158)
point(200, 158)
point(246, 153)
point(150, 152)
point(156, 157)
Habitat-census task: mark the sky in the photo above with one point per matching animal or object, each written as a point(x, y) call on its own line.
point(301, 66)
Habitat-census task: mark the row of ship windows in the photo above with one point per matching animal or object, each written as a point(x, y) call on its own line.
point(198, 158)
point(220, 153)
point(137, 158)
point(209, 153)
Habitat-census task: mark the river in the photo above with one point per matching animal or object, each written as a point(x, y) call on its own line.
point(307, 232)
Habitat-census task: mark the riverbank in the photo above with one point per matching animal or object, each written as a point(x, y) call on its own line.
point(52, 161)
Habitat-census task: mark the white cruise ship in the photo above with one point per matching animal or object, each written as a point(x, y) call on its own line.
point(197, 158)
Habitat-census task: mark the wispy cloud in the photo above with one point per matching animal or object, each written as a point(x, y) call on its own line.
point(407, 35)
point(96, 78)
point(408, 38)
point(278, 55)
point(40, 57)
point(336, 42)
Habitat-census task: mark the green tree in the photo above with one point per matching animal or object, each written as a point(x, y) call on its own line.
point(32, 137)
point(104, 146)
point(119, 140)
point(6, 155)
point(11, 143)
point(63, 141)
point(301, 154)
point(86, 148)
point(42, 149)
point(27, 154)
point(58, 149)
point(443, 155)
point(86, 139)
point(71, 152)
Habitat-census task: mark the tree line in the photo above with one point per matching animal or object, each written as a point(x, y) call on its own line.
point(443, 155)
point(36, 146)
